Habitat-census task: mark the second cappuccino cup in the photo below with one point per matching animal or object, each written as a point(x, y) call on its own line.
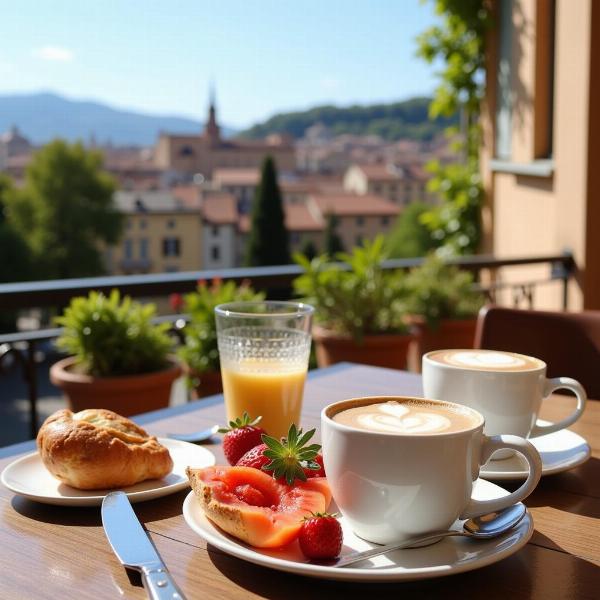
point(505, 387)
point(400, 467)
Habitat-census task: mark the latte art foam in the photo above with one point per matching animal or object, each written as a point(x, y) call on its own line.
point(404, 418)
point(398, 418)
point(489, 360)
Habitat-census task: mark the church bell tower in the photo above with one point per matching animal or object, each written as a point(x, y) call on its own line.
point(212, 131)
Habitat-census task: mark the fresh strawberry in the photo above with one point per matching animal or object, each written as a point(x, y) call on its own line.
point(241, 435)
point(321, 536)
point(254, 457)
point(320, 472)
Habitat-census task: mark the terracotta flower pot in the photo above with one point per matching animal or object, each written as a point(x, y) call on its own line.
point(127, 395)
point(451, 333)
point(384, 350)
point(210, 383)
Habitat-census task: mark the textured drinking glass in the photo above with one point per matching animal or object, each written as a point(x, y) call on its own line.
point(264, 349)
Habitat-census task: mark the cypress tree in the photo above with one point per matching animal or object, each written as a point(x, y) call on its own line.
point(268, 243)
point(333, 243)
point(309, 249)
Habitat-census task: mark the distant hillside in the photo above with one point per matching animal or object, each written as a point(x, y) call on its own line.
point(42, 117)
point(407, 119)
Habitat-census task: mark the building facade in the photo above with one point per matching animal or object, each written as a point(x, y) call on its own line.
point(541, 141)
point(186, 156)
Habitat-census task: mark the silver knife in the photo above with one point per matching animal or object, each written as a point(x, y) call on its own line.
point(133, 547)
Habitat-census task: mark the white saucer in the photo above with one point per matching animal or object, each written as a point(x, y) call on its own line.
point(560, 451)
point(29, 477)
point(447, 557)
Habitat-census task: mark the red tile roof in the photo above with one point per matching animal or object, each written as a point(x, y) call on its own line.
point(220, 209)
point(354, 205)
point(188, 194)
point(298, 217)
point(236, 176)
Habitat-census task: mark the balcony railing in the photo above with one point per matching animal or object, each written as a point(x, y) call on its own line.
point(276, 281)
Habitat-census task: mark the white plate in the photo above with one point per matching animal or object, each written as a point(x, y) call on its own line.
point(560, 451)
point(447, 557)
point(29, 477)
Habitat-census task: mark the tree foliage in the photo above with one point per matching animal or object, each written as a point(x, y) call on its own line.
point(15, 258)
point(408, 119)
point(409, 237)
point(460, 43)
point(268, 243)
point(65, 211)
point(332, 242)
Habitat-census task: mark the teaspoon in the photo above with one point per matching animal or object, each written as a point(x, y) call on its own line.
point(195, 436)
point(485, 527)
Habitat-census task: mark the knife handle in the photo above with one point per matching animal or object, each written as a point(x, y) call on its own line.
point(160, 585)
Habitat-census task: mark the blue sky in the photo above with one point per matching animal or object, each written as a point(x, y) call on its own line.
point(264, 55)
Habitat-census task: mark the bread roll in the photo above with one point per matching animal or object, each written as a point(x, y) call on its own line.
point(99, 449)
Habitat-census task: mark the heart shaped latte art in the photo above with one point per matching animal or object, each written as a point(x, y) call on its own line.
point(393, 417)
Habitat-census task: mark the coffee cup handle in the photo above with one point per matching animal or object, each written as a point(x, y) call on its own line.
point(477, 508)
point(562, 383)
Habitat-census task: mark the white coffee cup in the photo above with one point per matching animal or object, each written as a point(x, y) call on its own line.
point(508, 399)
point(392, 486)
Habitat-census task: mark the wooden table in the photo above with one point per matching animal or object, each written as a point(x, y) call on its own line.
point(60, 552)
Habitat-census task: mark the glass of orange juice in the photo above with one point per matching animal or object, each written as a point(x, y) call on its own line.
point(264, 348)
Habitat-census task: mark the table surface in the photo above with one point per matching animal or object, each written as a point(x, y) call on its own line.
point(53, 551)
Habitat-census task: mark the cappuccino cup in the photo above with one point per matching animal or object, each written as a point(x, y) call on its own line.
point(400, 467)
point(505, 387)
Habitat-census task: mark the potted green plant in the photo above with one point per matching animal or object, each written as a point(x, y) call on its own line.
point(443, 303)
point(200, 353)
point(119, 359)
point(359, 307)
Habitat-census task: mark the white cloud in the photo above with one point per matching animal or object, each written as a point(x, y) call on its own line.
point(55, 53)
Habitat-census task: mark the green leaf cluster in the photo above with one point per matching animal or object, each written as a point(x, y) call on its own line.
point(200, 350)
point(354, 296)
point(410, 237)
point(456, 223)
point(400, 120)
point(460, 44)
point(111, 336)
point(439, 291)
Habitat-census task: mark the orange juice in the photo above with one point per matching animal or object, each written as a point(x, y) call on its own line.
point(273, 391)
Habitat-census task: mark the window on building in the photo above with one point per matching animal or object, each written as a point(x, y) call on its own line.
point(186, 151)
point(171, 246)
point(376, 188)
point(360, 221)
point(129, 224)
point(144, 248)
point(128, 249)
point(543, 114)
point(143, 224)
point(171, 269)
point(295, 237)
point(171, 223)
point(385, 221)
point(215, 230)
point(215, 253)
point(504, 92)
point(359, 240)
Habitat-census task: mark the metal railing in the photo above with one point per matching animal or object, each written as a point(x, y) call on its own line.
point(276, 281)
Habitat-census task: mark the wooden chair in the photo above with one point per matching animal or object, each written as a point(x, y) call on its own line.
point(569, 343)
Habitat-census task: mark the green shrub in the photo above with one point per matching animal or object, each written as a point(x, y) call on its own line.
point(111, 336)
point(200, 351)
point(441, 291)
point(356, 296)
